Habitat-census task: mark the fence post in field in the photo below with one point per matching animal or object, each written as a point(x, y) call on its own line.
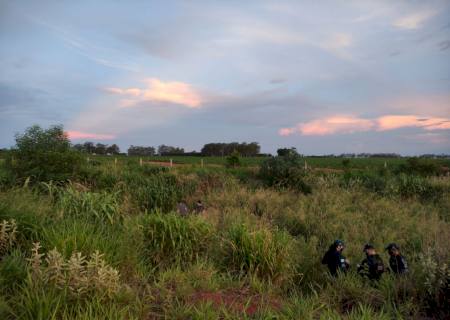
point(385, 164)
point(171, 163)
point(306, 166)
point(115, 162)
point(140, 162)
point(201, 162)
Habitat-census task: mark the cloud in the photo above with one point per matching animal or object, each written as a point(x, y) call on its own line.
point(351, 124)
point(413, 21)
point(330, 125)
point(76, 135)
point(159, 91)
point(396, 122)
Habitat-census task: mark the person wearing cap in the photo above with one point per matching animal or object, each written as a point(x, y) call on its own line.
point(334, 259)
point(372, 266)
point(397, 262)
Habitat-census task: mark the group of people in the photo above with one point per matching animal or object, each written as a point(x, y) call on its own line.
point(371, 267)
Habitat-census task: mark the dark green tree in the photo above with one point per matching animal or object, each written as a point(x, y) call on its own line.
point(44, 155)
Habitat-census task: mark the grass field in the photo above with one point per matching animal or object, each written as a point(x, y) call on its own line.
point(313, 162)
point(111, 245)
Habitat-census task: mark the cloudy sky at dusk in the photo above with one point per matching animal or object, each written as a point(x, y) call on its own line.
point(322, 76)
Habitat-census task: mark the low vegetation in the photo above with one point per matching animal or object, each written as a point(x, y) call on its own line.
point(103, 239)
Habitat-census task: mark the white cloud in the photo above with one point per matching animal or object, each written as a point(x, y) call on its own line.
point(414, 21)
point(172, 91)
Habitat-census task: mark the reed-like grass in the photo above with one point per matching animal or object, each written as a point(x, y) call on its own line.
point(172, 239)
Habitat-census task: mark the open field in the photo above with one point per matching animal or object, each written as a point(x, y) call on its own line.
point(253, 253)
point(313, 162)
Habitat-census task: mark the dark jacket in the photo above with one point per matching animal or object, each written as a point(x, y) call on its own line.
point(372, 267)
point(335, 262)
point(398, 264)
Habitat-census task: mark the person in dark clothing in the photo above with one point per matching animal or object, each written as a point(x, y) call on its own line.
point(372, 266)
point(397, 262)
point(334, 259)
point(199, 207)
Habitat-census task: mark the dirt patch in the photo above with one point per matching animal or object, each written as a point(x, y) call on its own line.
point(236, 300)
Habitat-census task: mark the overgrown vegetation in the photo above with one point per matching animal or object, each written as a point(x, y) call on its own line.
point(109, 244)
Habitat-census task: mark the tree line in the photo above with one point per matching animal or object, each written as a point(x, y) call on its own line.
point(210, 149)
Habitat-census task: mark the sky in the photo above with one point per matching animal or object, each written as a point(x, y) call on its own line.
point(322, 76)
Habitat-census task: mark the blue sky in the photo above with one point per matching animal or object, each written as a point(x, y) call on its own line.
point(322, 76)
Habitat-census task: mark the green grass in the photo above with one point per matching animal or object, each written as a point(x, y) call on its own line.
point(257, 246)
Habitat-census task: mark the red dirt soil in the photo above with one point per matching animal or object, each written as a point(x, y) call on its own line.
point(236, 300)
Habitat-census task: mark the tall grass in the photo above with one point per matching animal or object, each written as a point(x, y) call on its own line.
point(171, 239)
point(264, 253)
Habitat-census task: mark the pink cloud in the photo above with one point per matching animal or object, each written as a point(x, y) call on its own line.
point(330, 125)
point(395, 122)
point(173, 91)
point(351, 124)
point(85, 135)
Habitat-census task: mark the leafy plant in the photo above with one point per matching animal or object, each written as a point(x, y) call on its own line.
point(285, 172)
point(44, 155)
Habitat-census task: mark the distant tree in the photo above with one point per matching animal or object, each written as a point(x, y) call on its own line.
point(233, 159)
point(100, 148)
point(79, 147)
point(89, 147)
point(113, 149)
point(287, 151)
point(226, 149)
point(285, 172)
point(165, 150)
point(44, 155)
point(141, 151)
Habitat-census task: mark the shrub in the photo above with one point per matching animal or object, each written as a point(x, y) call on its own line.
point(170, 238)
point(264, 253)
point(285, 172)
point(44, 155)
point(233, 160)
point(416, 166)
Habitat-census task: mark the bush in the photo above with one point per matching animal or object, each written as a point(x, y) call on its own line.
point(416, 166)
point(44, 155)
point(263, 253)
point(285, 172)
point(170, 238)
point(233, 160)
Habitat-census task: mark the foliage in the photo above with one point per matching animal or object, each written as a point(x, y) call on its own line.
point(44, 155)
point(416, 166)
point(285, 172)
point(157, 191)
point(233, 160)
point(172, 239)
point(103, 206)
point(264, 253)
point(287, 152)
